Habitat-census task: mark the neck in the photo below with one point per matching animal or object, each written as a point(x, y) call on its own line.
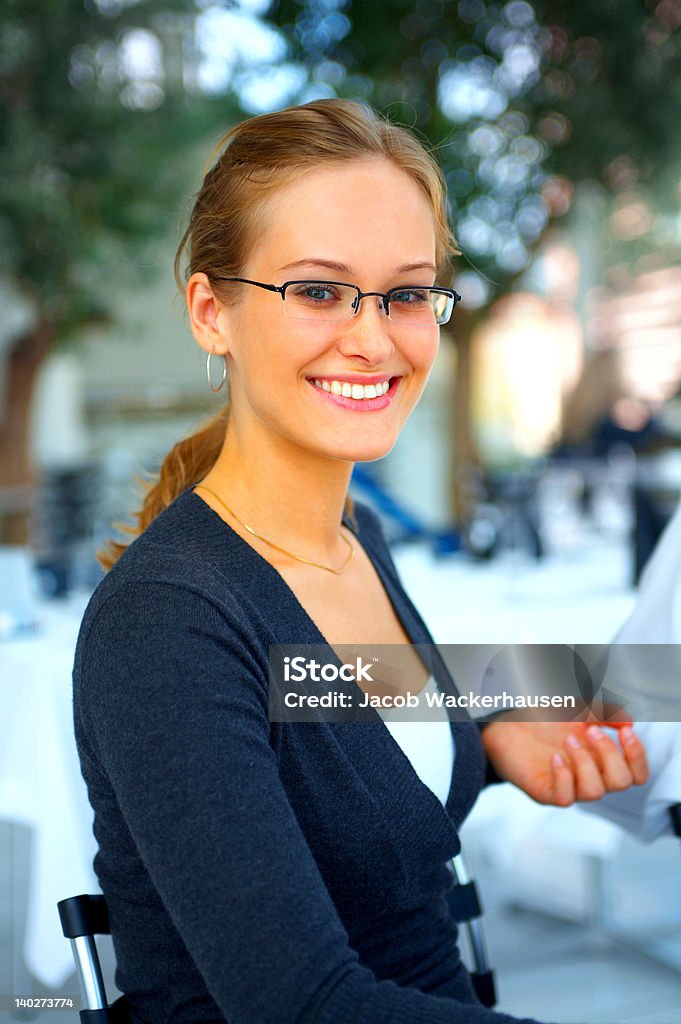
point(290, 496)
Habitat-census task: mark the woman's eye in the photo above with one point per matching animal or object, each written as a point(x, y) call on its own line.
point(317, 292)
point(410, 296)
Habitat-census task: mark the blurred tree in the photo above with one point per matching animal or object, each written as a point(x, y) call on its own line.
point(525, 103)
point(94, 121)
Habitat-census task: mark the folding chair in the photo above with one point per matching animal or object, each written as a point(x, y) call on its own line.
point(83, 917)
point(465, 908)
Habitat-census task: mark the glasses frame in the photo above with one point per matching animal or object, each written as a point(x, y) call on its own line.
point(385, 296)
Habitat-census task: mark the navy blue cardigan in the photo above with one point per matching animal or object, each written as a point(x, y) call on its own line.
point(257, 872)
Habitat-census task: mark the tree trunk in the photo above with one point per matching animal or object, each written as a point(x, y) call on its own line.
point(23, 362)
point(465, 459)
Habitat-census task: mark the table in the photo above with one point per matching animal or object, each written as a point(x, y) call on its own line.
point(40, 781)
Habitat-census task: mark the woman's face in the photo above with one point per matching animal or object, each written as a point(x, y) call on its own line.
point(359, 223)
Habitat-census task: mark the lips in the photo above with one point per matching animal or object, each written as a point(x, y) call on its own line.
point(360, 405)
point(354, 378)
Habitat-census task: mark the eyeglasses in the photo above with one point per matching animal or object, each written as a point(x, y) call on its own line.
point(335, 300)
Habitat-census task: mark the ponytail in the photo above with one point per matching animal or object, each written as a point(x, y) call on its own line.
point(186, 463)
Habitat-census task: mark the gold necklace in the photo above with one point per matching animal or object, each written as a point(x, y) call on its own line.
point(307, 561)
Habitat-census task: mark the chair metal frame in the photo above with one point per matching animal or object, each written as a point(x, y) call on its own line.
point(82, 917)
point(466, 909)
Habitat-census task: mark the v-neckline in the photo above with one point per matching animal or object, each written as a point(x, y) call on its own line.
point(292, 596)
point(384, 732)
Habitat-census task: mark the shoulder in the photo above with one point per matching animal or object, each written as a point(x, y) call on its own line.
point(187, 564)
point(162, 634)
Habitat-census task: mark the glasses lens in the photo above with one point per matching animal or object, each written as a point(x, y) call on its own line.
point(319, 300)
point(420, 306)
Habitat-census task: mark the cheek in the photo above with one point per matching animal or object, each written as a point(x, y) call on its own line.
point(423, 352)
point(281, 347)
point(270, 370)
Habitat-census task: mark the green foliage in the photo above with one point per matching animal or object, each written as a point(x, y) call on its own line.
point(612, 70)
point(522, 101)
point(93, 164)
point(519, 101)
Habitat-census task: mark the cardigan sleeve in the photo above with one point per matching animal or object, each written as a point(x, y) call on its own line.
point(491, 777)
point(175, 709)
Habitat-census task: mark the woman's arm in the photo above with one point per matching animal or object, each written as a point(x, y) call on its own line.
point(175, 708)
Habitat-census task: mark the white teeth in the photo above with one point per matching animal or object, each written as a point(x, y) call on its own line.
point(356, 391)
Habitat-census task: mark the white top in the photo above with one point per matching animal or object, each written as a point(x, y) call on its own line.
point(428, 745)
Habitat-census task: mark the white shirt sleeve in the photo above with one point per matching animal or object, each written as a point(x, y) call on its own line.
point(656, 619)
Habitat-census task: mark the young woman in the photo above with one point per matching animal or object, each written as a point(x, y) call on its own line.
point(254, 870)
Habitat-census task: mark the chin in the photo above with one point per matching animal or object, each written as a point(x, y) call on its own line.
point(362, 452)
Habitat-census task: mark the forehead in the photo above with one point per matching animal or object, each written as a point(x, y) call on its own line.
point(368, 214)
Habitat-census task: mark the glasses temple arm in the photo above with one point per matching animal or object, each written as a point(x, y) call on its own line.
point(245, 280)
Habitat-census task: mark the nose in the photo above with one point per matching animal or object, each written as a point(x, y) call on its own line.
point(368, 334)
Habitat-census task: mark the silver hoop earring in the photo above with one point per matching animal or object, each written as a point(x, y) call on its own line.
point(224, 373)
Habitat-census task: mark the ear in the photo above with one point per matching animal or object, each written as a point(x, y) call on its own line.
point(209, 318)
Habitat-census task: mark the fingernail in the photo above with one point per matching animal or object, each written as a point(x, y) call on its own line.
point(573, 742)
point(557, 761)
point(594, 733)
point(627, 735)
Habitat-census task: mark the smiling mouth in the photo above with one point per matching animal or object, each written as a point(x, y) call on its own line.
point(354, 391)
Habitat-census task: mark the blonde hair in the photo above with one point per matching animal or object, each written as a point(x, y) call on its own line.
point(258, 157)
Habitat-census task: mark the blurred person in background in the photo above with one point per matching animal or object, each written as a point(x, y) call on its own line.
point(280, 871)
point(635, 338)
point(625, 395)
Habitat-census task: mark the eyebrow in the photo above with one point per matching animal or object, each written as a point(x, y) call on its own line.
point(345, 269)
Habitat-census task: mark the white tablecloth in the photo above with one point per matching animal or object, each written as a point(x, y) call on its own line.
point(579, 595)
point(40, 781)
